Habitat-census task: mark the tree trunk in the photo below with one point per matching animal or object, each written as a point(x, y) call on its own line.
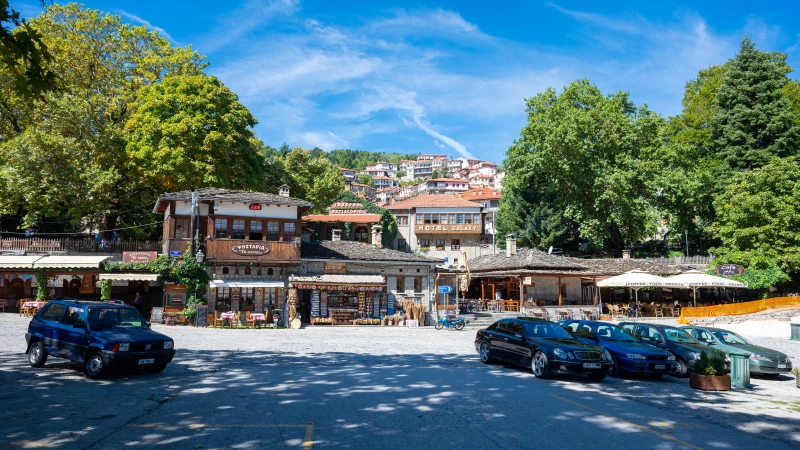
point(616, 239)
point(110, 224)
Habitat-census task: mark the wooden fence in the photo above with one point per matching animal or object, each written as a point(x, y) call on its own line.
point(736, 309)
point(78, 245)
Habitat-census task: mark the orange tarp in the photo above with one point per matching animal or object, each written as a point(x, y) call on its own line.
point(735, 309)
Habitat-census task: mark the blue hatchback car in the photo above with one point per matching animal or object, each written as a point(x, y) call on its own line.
point(99, 335)
point(627, 353)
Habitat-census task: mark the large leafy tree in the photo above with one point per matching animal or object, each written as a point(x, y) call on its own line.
point(534, 220)
point(758, 217)
point(314, 179)
point(23, 55)
point(754, 120)
point(587, 150)
point(190, 130)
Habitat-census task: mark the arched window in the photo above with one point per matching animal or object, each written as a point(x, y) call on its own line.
point(247, 270)
point(225, 271)
point(362, 234)
point(270, 271)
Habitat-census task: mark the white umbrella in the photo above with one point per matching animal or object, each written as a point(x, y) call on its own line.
point(634, 279)
point(694, 279)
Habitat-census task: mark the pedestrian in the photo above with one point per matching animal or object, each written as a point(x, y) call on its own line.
point(498, 295)
point(138, 302)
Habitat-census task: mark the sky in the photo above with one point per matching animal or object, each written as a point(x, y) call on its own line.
point(447, 77)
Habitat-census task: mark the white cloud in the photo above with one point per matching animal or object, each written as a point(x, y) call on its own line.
point(149, 25)
point(245, 19)
point(325, 140)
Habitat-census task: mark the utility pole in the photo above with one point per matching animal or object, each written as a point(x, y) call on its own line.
point(193, 231)
point(686, 233)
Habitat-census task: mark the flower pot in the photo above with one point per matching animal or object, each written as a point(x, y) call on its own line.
point(400, 323)
point(797, 381)
point(710, 382)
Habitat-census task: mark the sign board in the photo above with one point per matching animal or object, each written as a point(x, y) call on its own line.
point(445, 289)
point(236, 296)
point(250, 249)
point(120, 283)
point(727, 270)
point(156, 314)
point(175, 253)
point(527, 281)
point(335, 267)
point(202, 316)
point(255, 207)
point(136, 257)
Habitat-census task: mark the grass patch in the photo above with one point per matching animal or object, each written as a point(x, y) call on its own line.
point(778, 402)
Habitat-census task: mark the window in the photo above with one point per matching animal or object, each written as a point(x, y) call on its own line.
point(247, 296)
point(181, 228)
point(459, 218)
point(435, 219)
point(417, 285)
point(455, 244)
point(468, 218)
point(273, 233)
point(223, 299)
point(362, 235)
point(401, 284)
point(288, 231)
point(74, 315)
point(270, 297)
point(238, 229)
point(452, 219)
point(515, 328)
point(247, 270)
point(401, 244)
point(225, 271)
point(220, 228)
point(477, 219)
point(53, 313)
point(256, 228)
point(440, 244)
point(270, 271)
point(427, 219)
point(444, 219)
point(402, 220)
point(419, 219)
point(426, 243)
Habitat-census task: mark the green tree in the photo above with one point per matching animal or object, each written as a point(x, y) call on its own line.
point(754, 120)
point(316, 180)
point(190, 130)
point(758, 217)
point(363, 178)
point(24, 58)
point(535, 222)
point(435, 174)
point(400, 174)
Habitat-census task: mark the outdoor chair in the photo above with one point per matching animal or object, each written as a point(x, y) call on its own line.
point(238, 319)
point(3, 304)
point(248, 321)
point(659, 312)
point(23, 310)
point(213, 320)
point(588, 313)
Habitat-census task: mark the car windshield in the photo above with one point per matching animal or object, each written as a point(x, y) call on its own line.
point(546, 330)
point(729, 337)
point(679, 336)
point(100, 317)
point(613, 333)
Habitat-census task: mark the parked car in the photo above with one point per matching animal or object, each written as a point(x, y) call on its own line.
point(544, 346)
point(99, 335)
point(628, 354)
point(686, 349)
point(763, 361)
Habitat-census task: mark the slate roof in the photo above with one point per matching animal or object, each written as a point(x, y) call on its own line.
point(525, 258)
point(618, 266)
point(360, 218)
point(434, 201)
point(349, 250)
point(230, 195)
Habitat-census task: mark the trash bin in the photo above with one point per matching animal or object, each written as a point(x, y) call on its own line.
point(795, 331)
point(740, 370)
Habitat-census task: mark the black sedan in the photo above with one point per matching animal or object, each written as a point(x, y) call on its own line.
point(544, 346)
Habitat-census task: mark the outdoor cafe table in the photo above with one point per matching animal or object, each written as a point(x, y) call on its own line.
point(258, 317)
point(37, 305)
point(230, 316)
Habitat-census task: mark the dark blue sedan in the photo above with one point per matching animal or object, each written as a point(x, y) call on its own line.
point(627, 353)
point(99, 335)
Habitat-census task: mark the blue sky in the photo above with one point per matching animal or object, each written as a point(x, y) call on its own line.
point(447, 77)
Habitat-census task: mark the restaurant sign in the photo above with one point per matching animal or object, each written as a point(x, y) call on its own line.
point(136, 257)
point(338, 287)
point(727, 270)
point(527, 281)
point(335, 267)
point(250, 249)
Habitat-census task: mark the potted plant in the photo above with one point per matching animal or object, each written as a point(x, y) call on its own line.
point(708, 373)
point(796, 373)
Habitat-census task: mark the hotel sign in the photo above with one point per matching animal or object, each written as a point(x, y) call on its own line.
point(250, 249)
point(448, 228)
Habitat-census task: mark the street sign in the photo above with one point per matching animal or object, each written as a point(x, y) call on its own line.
point(445, 289)
point(175, 253)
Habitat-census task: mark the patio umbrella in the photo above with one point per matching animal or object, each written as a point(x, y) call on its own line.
point(693, 279)
point(634, 279)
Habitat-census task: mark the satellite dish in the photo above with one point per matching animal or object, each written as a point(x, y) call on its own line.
point(550, 252)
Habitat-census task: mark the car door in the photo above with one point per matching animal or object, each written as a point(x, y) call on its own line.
point(500, 342)
point(584, 333)
point(518, 351)
point(48, 323)
point(652, 336)
point(73, 335)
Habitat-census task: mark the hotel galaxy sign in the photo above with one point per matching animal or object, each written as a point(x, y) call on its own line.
point(457, 228)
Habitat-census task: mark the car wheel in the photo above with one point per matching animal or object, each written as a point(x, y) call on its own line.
point(36, 354)
point(93, 365)
point(460, 326)
point(681, 369)
point(155, 369)
point(485, 353)
point(613, 370)
point(438, 325)
point(597, 376)
point(656, 376)
point(540, 365)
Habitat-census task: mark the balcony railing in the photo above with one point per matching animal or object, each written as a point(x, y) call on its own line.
point(76, 245)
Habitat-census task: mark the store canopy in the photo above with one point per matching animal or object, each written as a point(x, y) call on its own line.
point(130, 276)
point(339, 279)
point(70, 262)
point(694, 279)
point(633, 279)
point(18, 262)
point(245, 283)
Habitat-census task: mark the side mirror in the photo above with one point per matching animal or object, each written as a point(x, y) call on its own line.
point(147, 325)
point(710, 342)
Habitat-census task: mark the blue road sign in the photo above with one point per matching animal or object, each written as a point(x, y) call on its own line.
point(445, 289)
point(175, 253)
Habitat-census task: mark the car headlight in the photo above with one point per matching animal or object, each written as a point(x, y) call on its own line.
point(168, 345)
point(635, 356)
point(671, 358)
point(123, 347)
point(606, 355)
point(560, 353)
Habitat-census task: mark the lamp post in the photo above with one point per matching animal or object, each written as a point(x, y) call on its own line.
point(686, 233)
point(200, 256)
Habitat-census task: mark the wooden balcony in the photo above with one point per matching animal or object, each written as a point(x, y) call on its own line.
point(76, 245)
point(226, 250)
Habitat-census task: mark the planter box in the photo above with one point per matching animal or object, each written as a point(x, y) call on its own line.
point(605, 317)
point(710, 382)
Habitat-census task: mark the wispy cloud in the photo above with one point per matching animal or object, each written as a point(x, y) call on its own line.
point(149, 25)
point(245, 19)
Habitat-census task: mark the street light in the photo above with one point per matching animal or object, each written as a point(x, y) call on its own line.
point(200, 256)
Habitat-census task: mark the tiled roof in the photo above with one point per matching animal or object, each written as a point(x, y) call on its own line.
point(618, 266)
point(482, 194)
point(231, 195)
point(525, 258)
point(435, 201)
point(350, 250)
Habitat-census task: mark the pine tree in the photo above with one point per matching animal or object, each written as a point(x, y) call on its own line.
point(754, 120)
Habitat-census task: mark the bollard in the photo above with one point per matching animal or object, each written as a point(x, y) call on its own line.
point(740, 370)
point(795, 331)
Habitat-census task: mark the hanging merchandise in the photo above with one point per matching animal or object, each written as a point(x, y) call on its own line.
point(314, 303)
point(376, 305)
point(323, 304)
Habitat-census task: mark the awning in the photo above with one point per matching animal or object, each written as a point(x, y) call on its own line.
point(18, 262)
point(246, 283)
point(339, 279)
point(130, 276)
point(70, 262)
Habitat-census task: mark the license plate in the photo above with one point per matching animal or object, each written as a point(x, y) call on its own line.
point(591, 365)
point(146, 361)
point(781, 366)
point(660, 367)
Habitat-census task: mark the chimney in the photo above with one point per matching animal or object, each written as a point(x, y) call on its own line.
point(511, 245)
point(336, 235)
point(284, 190)
point(626, 254)
point(376, 236)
